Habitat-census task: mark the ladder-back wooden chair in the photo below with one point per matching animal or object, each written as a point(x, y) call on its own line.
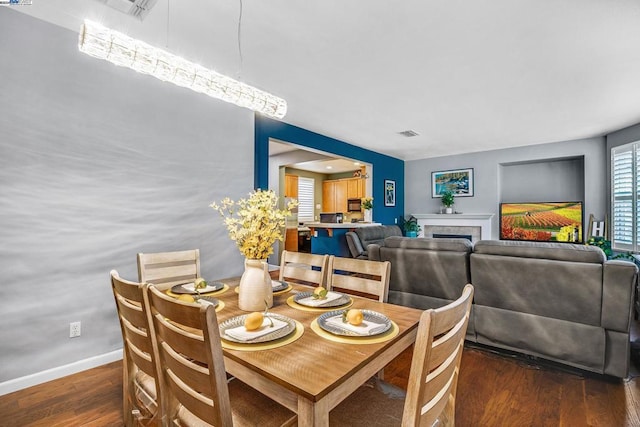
point(166, 269)
point(192, 370)
point(433, 378)
point(139, 382)
point(360, 276)
point(305, 268)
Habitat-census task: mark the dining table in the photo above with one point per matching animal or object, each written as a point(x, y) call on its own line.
point(311, 371)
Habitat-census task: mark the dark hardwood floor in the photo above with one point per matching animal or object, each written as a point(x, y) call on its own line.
point(493, 390)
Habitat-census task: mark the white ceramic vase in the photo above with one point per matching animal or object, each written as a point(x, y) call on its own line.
point(255, 286)
point(448, 210)
point(367, 215)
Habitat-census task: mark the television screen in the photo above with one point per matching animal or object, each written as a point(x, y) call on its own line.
point(541, 222)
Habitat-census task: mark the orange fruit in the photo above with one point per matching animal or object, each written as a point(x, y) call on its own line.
point(355, 317)
point(186, 298)
point(253, 321)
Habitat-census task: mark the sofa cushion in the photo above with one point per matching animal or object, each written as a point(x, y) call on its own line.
point(456, 245)
point(569, 291)
point(543, 250)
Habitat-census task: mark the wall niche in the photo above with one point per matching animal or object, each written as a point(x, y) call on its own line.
point(546, 180)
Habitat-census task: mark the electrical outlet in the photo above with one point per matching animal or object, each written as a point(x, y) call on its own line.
point(74, 329)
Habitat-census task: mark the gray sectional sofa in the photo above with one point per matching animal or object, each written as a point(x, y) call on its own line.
point(561, 302)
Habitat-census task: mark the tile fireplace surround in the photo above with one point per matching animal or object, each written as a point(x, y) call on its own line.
point(478, 226)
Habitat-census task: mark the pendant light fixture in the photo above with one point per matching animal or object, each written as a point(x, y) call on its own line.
point(103, 43)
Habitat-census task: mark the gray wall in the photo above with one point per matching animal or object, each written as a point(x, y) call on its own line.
point(487, 176)
point(98, 163)
point(555, 181)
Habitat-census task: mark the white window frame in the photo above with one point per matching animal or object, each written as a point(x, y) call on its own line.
point(625, 167)
point(306, 199)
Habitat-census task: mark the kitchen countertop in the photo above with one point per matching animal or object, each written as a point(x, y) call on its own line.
point(341, 225)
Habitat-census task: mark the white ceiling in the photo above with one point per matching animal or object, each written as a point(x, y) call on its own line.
point(466, 75)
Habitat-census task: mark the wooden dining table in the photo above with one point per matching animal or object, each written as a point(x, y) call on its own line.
point(313, 374)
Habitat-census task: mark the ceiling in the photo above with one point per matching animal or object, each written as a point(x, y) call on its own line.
point(466, 75)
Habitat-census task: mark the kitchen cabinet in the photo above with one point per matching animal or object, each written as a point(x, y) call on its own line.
point(355, 188)
point(291, 186)
point(335, 195)
point(291, 240)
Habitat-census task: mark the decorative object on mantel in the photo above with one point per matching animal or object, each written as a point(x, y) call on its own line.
point(411, 227)
point(458, 181)
point(367, 205)
point(255, 224)
point(389, 192)
point(448, 199)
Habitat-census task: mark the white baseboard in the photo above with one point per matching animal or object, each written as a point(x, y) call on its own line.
point(58, 372)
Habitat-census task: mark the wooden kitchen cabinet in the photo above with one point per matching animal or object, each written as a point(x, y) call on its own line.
point(355, 188)
point(291, 186)
point(291, 240)
point(335, 195)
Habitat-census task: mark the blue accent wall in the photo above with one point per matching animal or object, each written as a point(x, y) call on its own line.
point(384, 167)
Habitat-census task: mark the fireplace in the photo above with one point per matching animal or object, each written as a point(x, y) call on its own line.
point(453, 236)
point(477, 226)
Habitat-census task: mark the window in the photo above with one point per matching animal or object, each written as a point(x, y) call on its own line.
point(306, 198)
point(625, 164)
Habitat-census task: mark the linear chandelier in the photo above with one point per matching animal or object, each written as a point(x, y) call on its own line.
point(104, 43)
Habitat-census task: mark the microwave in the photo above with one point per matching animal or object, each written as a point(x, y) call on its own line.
point(354, 205)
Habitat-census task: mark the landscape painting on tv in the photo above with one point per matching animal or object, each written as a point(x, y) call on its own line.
point(541, 222)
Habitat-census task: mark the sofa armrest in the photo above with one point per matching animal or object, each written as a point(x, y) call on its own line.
point(374, 252)
point(355, 245)
point(618, 285)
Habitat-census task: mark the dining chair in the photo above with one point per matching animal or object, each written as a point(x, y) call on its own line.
point(192, 370)
point(165, 269)
point(139, 379)
point(360, 276)
point(433, 377)
point(306, 268)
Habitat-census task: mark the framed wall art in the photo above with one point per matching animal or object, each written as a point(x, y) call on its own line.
point(389, 192)
point(459, 181)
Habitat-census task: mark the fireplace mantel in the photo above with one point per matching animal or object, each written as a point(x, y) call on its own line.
point(481, 220)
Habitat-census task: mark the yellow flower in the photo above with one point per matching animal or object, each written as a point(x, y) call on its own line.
point(367, 202)
point(255, 223)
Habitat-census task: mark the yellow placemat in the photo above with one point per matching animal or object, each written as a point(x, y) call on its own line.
point(265, 345)
point(284, 291)
point(224, 289)
point(293, 304)
point(391, 333)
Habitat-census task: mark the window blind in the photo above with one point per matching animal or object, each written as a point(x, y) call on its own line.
point(624, 197)
point(306, 197)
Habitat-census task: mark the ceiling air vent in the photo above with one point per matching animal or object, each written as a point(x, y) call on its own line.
point(408, 133)
point(137, 8)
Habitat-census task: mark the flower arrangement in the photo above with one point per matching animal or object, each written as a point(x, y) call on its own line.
point(367, 203)
point(255, 223)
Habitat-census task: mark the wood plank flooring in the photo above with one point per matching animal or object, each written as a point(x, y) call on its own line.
point(493, 390)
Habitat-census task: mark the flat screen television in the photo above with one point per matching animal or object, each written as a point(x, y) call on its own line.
point(542, 221)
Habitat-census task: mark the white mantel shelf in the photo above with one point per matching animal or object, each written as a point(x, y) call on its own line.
point(481, 220)
point(453, 216)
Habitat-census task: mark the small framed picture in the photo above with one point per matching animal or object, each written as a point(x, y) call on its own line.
point(458, 181)
point(389, 192)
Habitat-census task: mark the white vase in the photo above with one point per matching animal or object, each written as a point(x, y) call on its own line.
point(448, 210)
point(367, 215)
point(255, 286)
